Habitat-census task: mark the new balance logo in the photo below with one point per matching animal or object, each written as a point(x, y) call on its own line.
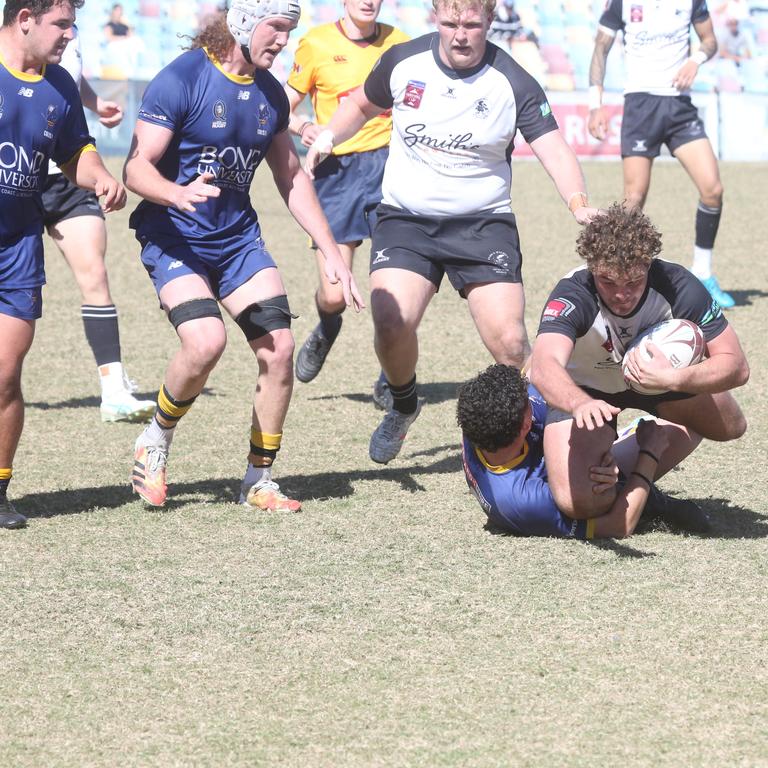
point(380, 257)
point(27, 92)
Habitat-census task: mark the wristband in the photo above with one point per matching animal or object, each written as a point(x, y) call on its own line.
point(577, 200)
point(643, 478)
point(303, 128)
point(594, 97)
point(699, 57)
point(648, 453)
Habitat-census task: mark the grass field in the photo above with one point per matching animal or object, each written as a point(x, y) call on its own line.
point(382, 626)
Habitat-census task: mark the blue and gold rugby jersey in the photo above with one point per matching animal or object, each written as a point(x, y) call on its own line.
point(41, 117)
point(516, 496)
point(222, 124)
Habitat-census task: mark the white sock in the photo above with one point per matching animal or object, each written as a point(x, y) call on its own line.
point(255, 475)
point(155, 434)
point(111, 378)
point(702, 262)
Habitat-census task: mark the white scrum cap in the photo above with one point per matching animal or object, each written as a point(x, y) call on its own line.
point(244, 15)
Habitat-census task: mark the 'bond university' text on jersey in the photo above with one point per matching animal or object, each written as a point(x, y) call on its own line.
point(453, 130)
point(41, 117)
point(601, 338)
point(657, 40)
point(223, 124)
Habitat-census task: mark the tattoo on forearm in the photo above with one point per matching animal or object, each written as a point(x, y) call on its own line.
point(603, 44)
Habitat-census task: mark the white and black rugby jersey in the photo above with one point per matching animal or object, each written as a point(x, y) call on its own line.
point(601, 338)
point(657, 39)
point(453, 130)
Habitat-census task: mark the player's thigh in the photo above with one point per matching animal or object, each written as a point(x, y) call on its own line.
point(17, 335)
point(637, 179)
point(265, 284)
point(498, 310)
point(83, 242)
point(699, 161)
point(183, 289)
point(399, 298)
point(715, 417)
point(569, 452)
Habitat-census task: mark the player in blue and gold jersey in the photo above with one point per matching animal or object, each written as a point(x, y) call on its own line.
point(503, 418)
point(205, 124)
point(41, 118)
point(331, 61)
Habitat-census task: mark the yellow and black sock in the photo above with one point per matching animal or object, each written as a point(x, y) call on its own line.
point(5, 478)
point(264, 447)
point(169, 409)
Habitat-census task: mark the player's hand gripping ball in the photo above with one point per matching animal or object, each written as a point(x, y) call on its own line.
point(680, 341)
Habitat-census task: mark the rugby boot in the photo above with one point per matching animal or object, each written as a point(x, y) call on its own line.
point(149, 470)
point(387, 438)
point(267, 497)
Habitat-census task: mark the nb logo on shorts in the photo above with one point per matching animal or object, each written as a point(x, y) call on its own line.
point(175, 265)
point(640, 146)
point(380, 257)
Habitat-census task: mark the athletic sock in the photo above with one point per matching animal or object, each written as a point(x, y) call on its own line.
point(102, 332)
point(5, 478)
point(404, 398)
point(156, 434)
point(707, 224)
point(264, 447)
point(255, 475)
point(112, 379)
point(330, 323)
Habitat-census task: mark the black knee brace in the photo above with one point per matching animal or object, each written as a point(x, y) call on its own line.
point(261, 317)
point(193, 310)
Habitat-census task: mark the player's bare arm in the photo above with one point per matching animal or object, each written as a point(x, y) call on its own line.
point(598, 121)
point(87, 170)
point(724, 368)
point(707, 49)
point(563, 167)
point(353, 113)
point(299, 195)
point(141, 176)
point(110, 112)
point(300, 125)
point(550, 355)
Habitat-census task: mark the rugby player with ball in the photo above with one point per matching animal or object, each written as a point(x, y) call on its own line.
point(581, 367)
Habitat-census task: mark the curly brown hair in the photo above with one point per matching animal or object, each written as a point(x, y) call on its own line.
point(620, 241)
point(215, 37)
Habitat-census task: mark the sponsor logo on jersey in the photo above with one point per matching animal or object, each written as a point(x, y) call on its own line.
point(414, 134)
point(296, 68)
point(340, 59)
point(26, 92)
point(232, 166)
point(18, 169)
point(482, 110)
point(545, 109)
point(640, 146)
point(450, 92)
point(219, 115)
point(636, 13)
point(380, 257)
point(414, 93)
point(557, 308)
point(51, 116)
point(243, 95)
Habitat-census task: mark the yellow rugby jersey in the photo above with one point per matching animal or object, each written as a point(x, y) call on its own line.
point(328, 66)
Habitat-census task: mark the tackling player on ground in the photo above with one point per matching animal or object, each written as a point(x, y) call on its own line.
point(331, 61)
point(657, 108)
point(590, 320)
point(457, 102)
point(41, 118)
point(206, 122)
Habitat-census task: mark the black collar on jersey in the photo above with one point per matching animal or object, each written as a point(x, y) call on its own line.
point(360, 40)
point(460, 74)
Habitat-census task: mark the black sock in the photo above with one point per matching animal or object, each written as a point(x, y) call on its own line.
point(707, 222)
point(404, 398)
point(102, 332)
point(330, 323)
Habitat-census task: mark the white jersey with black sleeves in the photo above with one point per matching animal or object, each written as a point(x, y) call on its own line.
point(601, 338)
point(453, 130)
point(657, 39)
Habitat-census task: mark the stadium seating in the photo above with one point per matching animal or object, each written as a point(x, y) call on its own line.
point(564, 30)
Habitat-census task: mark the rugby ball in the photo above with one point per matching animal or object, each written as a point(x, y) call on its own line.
point(680, 341)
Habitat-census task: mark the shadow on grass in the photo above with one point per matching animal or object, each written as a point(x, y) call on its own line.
point(95, 402)
point(432, 392)
point(328, 485)
point(745, 298)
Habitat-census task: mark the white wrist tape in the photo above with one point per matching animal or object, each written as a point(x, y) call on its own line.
point(699, 57)
point(323, 144)
point(595, 97)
